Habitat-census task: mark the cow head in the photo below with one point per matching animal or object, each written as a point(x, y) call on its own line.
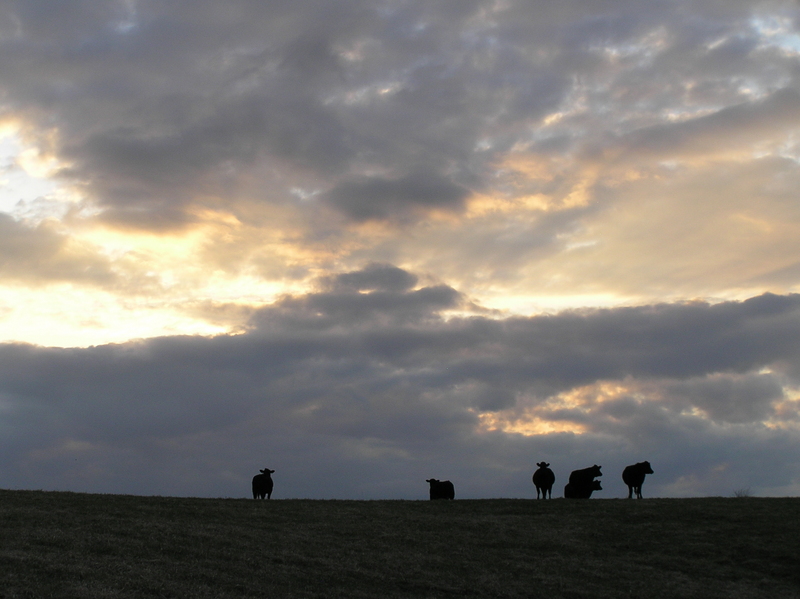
point(266, 471)
point(543, 464)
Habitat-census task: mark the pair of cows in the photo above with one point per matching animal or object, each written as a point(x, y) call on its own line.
point(263, 484)
point(582, 483)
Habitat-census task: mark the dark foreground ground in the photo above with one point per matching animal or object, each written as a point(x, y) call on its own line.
point(77, 545)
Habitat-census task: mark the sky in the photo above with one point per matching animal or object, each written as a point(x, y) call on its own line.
point(365, 243)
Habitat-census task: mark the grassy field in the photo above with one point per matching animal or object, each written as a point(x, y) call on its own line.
point(79, 545)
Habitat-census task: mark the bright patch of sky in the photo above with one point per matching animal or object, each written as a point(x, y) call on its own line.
point(777, 31)
point(82, 318)
point(129, 21)
point(21, 183)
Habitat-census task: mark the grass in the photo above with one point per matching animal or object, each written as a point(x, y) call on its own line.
point(112, 546)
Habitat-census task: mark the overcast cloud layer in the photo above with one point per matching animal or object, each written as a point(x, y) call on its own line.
point(366, 243)
point(348, 393)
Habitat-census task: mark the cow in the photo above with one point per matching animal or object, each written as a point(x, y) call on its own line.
point(441, 489)
point(262, 484)
point(585, 476)
point(578, 491)
point(544, 478)
point(633, 476)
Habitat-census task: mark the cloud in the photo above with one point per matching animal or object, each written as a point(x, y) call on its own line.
point(153, 111)
point(428, 136)
point(731, 128)
point(375, 276)
point(744, 398)
point(359, 394)
point(40, 254)
point(378, 198)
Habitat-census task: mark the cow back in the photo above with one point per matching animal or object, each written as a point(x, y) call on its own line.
point(634, 475)
point(441, 489)
point(585, 475)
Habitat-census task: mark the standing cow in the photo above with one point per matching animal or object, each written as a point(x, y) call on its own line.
point(441, 489)
point(544, 478)
point(633, 476)
point(573, 491)
point(262, 484)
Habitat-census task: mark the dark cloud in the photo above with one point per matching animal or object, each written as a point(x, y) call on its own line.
point(743, 398)
point(375, 276)
point(359, 394)
point(380, 198)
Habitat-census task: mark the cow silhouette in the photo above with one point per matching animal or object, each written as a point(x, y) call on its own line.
point(575, 491)
point(544, 478)
point(585, 476)
point(262, 484)
point(582, 483)
point(441, 489)
point(633, 476)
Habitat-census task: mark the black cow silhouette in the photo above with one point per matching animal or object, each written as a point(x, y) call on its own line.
point(544, 478)
point(577, 491)
point(582, 484)
point(585, 476)
point(262, 484)
point(441, 489)
point(633, 476)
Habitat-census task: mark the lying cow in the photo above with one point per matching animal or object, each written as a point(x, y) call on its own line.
point(262, 484)
point(544, 478)
point(441, 489)
point(633, 476)
point(578, 491)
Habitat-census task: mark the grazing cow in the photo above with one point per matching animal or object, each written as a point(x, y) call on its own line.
point(633, 476)
point(577, 491)
point(585, 476)
point(544, 478)
point(441, 489)
point(262, 484)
